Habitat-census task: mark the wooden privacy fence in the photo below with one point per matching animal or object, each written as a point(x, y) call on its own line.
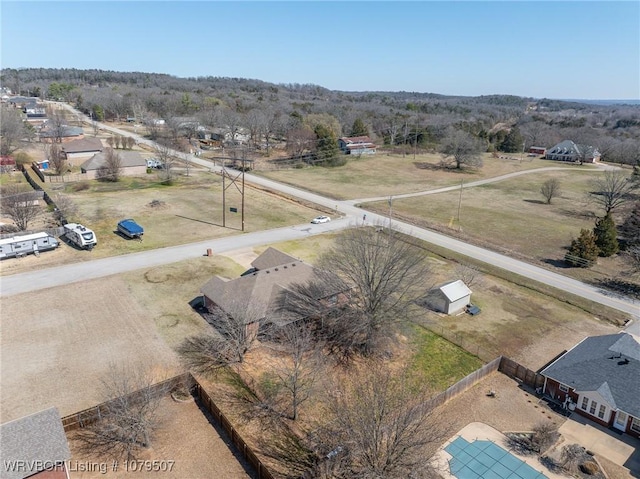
point(94, 414)
point(66, 178)
point(241, 445)
point(517, 371)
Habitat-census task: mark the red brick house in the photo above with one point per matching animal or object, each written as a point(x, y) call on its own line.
point(599, 378)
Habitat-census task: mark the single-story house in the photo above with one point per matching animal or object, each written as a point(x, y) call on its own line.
point(449, 298)
point(77, 151)
point(7, 164)
point(567, 150)
point(256, 293)
point(537, 150)
point(68, 133)
point(599, 378)
point(131, 164)
point(35, 446)
point(357, 145)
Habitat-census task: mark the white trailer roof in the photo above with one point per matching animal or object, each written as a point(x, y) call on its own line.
point(29, 237)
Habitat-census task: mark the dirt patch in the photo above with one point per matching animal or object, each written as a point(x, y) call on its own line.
point(187, 445)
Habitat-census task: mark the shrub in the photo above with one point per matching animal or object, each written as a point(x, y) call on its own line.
point(583, 251)
point(81, 186)
point(606, 236)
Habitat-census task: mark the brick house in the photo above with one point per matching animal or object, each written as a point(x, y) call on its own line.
point(599, 378)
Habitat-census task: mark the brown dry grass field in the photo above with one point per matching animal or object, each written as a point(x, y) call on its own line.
point(57, 344)
point(391, 174)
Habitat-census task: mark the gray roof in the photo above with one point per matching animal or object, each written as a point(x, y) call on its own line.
point(607, 364)
point(34, 439)
point(66, 132)
point(255, 295)
point(568, 147)
point(271, 258)
point(128, 158)
point(83, 145)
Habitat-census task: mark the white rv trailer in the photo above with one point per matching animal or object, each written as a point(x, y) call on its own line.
point(18, 246)
point(81, 236)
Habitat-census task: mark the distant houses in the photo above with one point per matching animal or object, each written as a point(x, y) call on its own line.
point(357, 145)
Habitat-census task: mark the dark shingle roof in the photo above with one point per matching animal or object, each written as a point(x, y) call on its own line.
point(127, 159)
point(33, 440)
point(608, 364)
point(83, 145)
point(271, 258)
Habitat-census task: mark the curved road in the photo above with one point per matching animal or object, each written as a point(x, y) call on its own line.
point(31, 281)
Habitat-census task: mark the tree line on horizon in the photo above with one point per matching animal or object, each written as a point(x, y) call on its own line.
point(402, 119)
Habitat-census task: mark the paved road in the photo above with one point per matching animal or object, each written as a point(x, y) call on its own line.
point(352, 215)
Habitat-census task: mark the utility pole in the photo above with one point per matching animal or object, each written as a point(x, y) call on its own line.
point(460, 204)
point(239, 178)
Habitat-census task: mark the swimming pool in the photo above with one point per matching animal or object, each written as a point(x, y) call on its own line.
point(487, 460)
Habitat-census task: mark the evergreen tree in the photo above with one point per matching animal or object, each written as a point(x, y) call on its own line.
point(583, 251)
point(359, 128)
point(606, 236)
point(512, 142)
point(630, 228)
point(327, 146)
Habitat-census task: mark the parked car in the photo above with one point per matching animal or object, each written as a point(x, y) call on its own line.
point(320, 219)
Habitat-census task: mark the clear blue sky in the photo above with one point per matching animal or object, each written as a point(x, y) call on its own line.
point(576, 49)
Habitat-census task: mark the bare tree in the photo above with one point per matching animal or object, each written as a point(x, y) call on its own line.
point(550, 189)
point(382, 268)
point(299, 141)
point(461, 149)
point(56, 124)
point(613, 189)
point(167, 158)
point(130, 413)
point(129, 142)
point(379, 427)
point(632, 253)
point(296, 365)
point(12, 130)
point(20, 203)
point(111, 168)
point(232, 336)
point(469, 274)
point(65, 208)
point(57, 158)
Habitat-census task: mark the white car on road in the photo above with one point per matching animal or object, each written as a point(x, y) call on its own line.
point(320, 219)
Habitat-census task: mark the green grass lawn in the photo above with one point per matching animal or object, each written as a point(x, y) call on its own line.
point(436, 362)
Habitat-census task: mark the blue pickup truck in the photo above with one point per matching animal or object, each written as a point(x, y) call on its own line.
point(130, 229)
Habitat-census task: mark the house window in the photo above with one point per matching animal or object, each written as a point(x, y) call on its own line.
point(585, 403)
point(592, 409)
point(564, 388)
point(601, 411)
point(635, 424)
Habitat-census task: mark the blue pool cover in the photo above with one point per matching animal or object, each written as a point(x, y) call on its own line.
point(487, 460)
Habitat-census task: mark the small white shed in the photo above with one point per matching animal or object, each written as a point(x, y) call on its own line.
point(455, 296)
